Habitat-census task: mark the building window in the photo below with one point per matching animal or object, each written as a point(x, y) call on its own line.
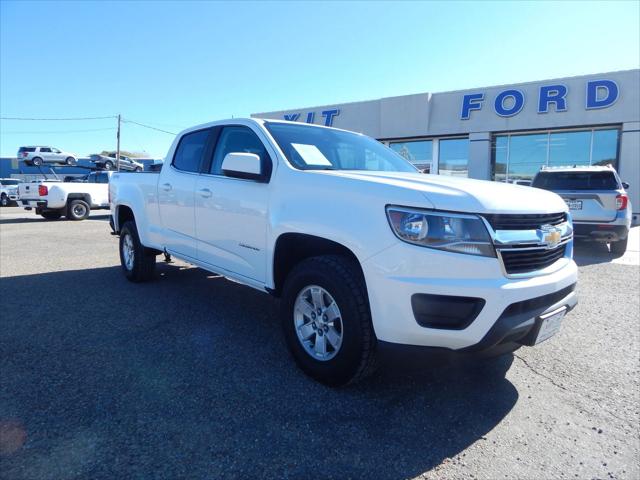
point(453, 157)
point(520, 156)
point(419, 153)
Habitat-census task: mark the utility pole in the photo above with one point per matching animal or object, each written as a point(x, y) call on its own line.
point(118, 147)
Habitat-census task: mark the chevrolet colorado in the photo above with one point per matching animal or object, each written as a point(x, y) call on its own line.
point(367, 255)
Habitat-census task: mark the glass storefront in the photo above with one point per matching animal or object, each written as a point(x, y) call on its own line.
point(419, 152)
point(453, 157)
point(520, 156)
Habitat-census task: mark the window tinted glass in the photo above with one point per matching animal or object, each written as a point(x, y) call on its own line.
point(102, 178)
point(419, 153)
point(454, 157)
point(569, 148)
point(190, 149)
point(238, 139)
point(27, 149)
point(605, 147)
point(9, 182)
point(45, 149)
point(314, 148)
point(576, 181)
point(500, 154)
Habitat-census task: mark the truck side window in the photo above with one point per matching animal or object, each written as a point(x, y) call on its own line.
point(237, 139)
point(190, 149)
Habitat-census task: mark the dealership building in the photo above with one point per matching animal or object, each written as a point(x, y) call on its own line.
point(504, 133)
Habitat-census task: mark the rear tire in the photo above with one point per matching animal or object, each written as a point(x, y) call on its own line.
point(334, 279)
point(138, 169)
point(138, 262)
point(70, 161)
point(108, 165)
point(37, 161)
point(618, 248)
point(78, 210)
point(51, 215)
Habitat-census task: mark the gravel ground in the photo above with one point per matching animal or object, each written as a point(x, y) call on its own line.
point(188, 377)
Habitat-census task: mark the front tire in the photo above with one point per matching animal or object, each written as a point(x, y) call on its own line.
point(326, 320)
point(138, 262)
point(4, 200)
point(618, 248)
point(108, 165)
point(70, 161)
point(78, 210)
point(138, 169)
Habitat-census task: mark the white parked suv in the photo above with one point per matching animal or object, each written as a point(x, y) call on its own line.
point(74, 200)
point(368, 256)
point(40, 155)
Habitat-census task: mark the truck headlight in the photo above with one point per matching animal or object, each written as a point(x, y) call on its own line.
point(453, 232)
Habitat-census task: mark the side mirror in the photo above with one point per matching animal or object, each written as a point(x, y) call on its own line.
point(242, 165)
point(625, 185)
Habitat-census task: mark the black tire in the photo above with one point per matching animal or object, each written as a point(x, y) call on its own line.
point(138, 169)
point(4, 200)
point(108, 165)
point(142, 267)
point(618, 248)
point(70, 161)
point(78, 210)
point(51, 215)
point(36, 161)
point(342, 278)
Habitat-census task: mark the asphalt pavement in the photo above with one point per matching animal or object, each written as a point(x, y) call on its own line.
point(188, 377)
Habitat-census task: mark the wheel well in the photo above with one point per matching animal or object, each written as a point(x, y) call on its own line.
point(79, 196)
point(124, 215)
point(292, 248)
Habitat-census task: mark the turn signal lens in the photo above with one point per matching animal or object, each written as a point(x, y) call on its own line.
point(621, 202)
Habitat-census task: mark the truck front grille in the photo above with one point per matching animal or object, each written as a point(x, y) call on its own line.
point(525, 260)
point(524, 222)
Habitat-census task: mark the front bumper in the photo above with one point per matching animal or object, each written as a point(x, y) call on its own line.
point(398, 273)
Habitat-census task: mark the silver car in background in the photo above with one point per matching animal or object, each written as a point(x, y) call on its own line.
point(597, 200)
point(108, 162)
point(40, 155)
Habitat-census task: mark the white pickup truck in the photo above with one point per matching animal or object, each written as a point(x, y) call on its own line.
point(74, 200)
point(368, 256)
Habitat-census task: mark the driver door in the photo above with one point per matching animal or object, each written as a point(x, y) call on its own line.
point(231, 213)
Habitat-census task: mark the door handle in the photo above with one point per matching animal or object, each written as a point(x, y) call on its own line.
point(166, 187)
point(205, 192)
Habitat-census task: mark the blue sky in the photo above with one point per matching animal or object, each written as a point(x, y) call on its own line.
point(173, 65)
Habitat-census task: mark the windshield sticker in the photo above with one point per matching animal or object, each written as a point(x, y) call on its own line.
point(311, 155)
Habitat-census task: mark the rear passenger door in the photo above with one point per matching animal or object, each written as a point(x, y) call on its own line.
point(176, 186)
point(231, 213)
point(46, 154)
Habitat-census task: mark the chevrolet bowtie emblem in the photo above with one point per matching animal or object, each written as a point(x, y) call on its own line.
point(551, 236)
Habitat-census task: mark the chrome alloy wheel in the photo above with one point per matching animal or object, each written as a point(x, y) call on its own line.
point(318, 323)
point(128, 252)
point(79, 210)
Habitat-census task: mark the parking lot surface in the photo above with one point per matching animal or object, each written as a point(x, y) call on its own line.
point(189, 377)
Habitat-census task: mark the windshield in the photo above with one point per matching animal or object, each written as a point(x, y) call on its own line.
point(10, 182)
point(314, 148)
point(576, 181)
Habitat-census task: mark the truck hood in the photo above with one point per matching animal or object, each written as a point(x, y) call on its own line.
point(462, 194)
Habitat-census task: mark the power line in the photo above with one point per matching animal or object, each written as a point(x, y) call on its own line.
point(4, 132)
point(57, 119)
point(148, 126)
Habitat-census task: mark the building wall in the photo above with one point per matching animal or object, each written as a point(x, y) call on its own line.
point(443, 114)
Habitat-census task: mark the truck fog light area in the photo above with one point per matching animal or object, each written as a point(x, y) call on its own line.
point(453, 232)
